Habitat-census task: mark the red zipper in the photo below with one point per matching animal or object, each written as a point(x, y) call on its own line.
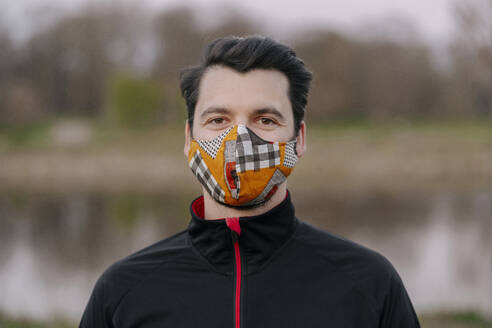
point(233, 224)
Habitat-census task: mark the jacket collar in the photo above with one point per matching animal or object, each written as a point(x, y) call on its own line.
point(261, 235)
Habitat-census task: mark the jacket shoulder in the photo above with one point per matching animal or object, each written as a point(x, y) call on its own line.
point(128, 271)
point(344, 254)
point(366, 270)
point(122, 276)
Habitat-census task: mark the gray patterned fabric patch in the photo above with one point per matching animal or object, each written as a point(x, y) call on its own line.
point(202, 172)
point(290, 158)
point(254, 153)
point(212, 147)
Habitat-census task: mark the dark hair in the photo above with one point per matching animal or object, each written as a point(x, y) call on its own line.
point(244, 54)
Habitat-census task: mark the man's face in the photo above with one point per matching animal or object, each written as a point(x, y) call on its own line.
point(258, 99)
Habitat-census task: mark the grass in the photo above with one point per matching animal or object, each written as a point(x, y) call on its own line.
point(356, 156)
point(478, 130)
point(33, 135)
point(455, 320)
point(36, 136)
point(8, 322)
point(437, 320)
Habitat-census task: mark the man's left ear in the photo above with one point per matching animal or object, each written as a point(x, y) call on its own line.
point(301, 140)
point(187, 133)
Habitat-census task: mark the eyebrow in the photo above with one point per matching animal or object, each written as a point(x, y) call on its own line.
point(260, 111)
point(270, 110)
point(214, 110)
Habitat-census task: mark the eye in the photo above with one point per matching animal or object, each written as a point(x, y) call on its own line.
point(267, 121)
point(216, 121)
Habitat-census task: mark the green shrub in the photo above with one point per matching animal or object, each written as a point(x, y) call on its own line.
point(134, 102)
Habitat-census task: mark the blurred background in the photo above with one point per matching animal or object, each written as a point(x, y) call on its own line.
point(91, 136)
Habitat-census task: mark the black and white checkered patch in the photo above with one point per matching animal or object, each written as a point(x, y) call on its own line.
point(212, 146)
point(254, 153)
point(202, 172)
point(290, 157)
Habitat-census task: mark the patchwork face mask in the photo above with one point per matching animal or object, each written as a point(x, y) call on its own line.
point(240, 169)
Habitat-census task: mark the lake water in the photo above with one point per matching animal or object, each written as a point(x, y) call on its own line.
point(53, 246)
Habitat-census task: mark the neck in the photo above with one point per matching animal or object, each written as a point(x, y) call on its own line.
point(215, 210)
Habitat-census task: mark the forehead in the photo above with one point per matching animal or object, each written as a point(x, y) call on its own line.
point(224, 87)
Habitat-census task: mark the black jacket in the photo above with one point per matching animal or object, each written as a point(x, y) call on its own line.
point(292, 275)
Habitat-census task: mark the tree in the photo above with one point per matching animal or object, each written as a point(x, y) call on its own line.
point(470, 88)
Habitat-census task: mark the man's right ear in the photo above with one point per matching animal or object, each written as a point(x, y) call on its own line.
point(301, 140)
point(187, 139)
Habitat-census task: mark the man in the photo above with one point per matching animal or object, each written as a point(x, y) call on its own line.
point(245, 260)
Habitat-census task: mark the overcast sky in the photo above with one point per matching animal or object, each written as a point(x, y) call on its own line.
point(432, 18)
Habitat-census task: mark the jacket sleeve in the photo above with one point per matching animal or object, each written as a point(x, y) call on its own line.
point(398, 310)
point(97, 313)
